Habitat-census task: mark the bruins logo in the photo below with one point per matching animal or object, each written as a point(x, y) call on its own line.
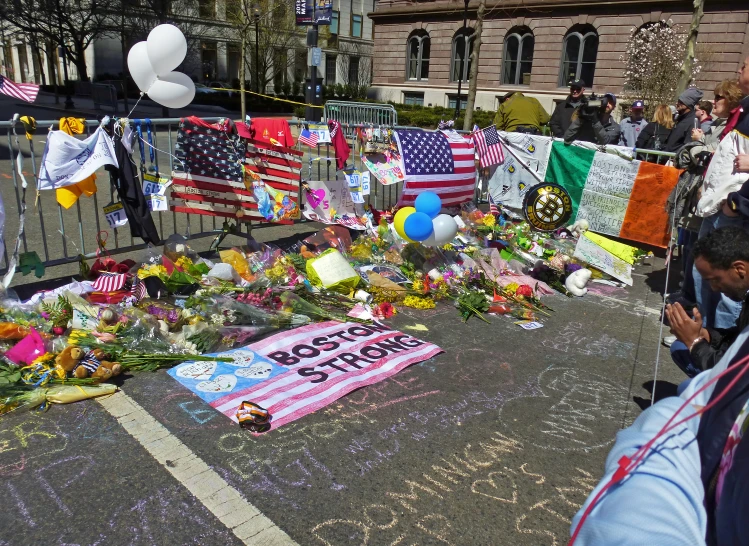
point(547, 207)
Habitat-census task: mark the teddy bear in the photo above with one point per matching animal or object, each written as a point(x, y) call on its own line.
point(84, 364)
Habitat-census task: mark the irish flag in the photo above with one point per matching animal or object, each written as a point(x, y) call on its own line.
point(620, 197)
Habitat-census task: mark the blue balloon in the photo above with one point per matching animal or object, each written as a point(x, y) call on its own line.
point(418, 226)
point(429, 203)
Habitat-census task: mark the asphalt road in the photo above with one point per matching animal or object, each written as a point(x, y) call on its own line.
point(495, 442)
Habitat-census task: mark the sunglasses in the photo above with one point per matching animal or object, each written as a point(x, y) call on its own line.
point(719, 97)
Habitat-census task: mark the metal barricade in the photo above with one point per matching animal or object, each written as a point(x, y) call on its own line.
point(365, 113)
point(654, 156)
point(60, 236)
point(104, 96)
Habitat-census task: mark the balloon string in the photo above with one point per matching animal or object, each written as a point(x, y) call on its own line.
point(136, 104)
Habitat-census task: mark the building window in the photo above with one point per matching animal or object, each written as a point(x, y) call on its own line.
point(461, 54)
point(417, 63)
point(334, 22)
point(518, 57)
point(415, 99)
point(207, 9)
point(330, 69)
point(579, 55)
point(356, 24)
point(233, 59)
point(452, 99)
point(353, 71)
point(209, 60)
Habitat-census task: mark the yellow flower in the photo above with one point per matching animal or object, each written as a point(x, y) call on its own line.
point(43, 358)
point(153, 270)
point(183, 262)
point(418, 285)
point(512, 287)
point(419, 303)
point(489, 220)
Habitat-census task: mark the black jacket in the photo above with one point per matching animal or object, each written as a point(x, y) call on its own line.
point(681, 133)
point(593, 130)
point(562, 117)
point(653, 137)
point(706, 355)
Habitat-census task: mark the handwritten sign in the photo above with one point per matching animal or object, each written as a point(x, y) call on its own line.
point(510, 181)
point(602, 259)
point(333, 203)
point(607, 191)
point(115, 215)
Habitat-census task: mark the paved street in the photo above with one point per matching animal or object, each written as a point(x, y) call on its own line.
point(495, 442)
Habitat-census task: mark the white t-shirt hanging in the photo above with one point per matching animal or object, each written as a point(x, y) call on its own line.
point(67, 160)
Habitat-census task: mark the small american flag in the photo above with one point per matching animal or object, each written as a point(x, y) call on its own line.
point(23, 91)
point(441, 162)
point(139, 290)
point(489, 147)
point(109, 282)
point(493, 209)
point(310, 139)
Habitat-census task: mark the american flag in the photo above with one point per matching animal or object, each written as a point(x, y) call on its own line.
point(489, 147)
point(493, 209)
point(110, 282)
point(23, 91)
point(438, 162)
point(212, 183)
point(310, 139)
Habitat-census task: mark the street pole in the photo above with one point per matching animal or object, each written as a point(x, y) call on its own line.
point(313, 94)
point(257, 50)
point(462, 59)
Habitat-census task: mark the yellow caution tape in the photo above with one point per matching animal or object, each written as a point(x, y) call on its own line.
point(266, 96)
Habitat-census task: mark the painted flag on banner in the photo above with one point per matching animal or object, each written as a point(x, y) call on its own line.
point(303, 378)
point(110, 282)
point(310, 139)
point(437, 162)
point(616, 196)
point(210, 178)
point(23, 91)
point(489, 147)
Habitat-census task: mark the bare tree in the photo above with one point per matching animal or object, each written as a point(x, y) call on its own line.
point(354, 63)
point(474, 75)
point(71, 24)
point(686, 73)
point(269, 39)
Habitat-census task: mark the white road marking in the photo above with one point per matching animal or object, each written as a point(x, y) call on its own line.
point(225, 502)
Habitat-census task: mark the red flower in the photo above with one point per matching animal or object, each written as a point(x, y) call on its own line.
point(385, 310)
point(524, 290)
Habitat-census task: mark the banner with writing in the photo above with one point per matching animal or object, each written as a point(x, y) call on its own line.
point(67, 160)
point(332, 202)
point(600, 258)
point(310, 367)
point(618, 196)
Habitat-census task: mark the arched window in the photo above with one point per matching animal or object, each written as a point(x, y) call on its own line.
point(518, 56)
point(462, 49)
point(417, 56)
point(579, 55)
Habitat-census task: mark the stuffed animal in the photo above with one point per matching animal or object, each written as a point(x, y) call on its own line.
point(69, 358)
point(84, 364)
point(580, 227)
point(577, 280)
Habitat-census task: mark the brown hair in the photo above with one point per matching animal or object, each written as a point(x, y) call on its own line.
point(706, 105)
point(731, 91)
point(663, 116)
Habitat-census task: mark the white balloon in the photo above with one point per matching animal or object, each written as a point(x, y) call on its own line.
point(140, 67)
point(167, 48)
point(445, 229)
point(174, 90)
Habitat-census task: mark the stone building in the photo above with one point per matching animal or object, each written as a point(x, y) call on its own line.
point(534, 46)
point(213, 54)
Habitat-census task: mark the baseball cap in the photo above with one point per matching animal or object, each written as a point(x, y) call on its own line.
point(638, 104)
point(611, 96)
point(577, 83)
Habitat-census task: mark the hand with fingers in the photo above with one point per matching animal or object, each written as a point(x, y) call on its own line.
point(687, 329)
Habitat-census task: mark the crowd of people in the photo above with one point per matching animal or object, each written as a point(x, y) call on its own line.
point(676, 476)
